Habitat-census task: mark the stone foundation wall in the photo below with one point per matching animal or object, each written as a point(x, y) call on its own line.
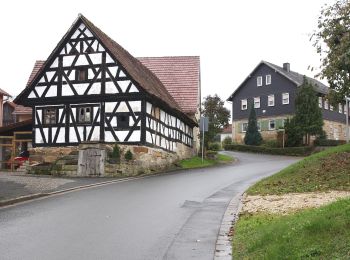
point(145, 160)
point(238, 135)
point(334, 130)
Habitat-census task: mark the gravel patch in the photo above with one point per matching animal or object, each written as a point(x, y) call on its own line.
point(287, 203)
point(34, 184)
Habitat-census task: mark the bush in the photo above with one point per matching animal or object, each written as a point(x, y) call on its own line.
point(227, 140)
point(214, 146)
point(128, 155)
point(328, 142)
point(212, 155)
point(270, 143)
point(293, 151)
point(116, 152)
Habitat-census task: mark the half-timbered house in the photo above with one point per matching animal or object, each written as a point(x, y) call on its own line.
point(92, 89)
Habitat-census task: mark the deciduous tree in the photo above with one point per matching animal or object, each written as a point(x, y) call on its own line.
point(332, 42)
point(218, 115)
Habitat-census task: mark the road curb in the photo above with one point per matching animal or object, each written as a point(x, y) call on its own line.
point(46, 194)
point(223, 247)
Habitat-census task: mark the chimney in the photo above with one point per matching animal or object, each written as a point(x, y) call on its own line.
point(286, 66)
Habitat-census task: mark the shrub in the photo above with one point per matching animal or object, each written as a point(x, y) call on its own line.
point(270, 143)
point(128, 155)
point(212, 155)
point(293, 151)
point(214, 146)
point(227, 140)
point(328, 142)
point(116, 152)
point(252, 135)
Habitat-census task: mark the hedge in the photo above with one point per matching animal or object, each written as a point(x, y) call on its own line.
point(327, 142)
point(293, 151)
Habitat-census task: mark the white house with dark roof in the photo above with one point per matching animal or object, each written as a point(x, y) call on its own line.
point(272, 89)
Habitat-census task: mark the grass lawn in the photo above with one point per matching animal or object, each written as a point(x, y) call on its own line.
point(327, 170)
point(196, 162)
point(322, 233)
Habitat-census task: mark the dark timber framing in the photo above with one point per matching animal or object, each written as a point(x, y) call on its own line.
point(110, 91)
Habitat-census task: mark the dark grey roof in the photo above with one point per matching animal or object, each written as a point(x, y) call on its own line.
point(298, 78)
point(291, 75)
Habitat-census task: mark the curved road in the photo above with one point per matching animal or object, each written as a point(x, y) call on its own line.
point(171, 216)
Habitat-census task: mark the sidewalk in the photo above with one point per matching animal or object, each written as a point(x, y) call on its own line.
point(17, 186)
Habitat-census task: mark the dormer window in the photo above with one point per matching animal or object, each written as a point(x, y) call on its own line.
point(259, 81)
point(268, 79)
point(81, 74)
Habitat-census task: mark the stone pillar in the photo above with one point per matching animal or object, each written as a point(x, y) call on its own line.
point(91, 160)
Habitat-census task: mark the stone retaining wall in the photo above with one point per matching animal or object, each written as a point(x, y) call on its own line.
point(146, 160)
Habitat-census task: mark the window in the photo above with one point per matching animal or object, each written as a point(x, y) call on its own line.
point(331, 107)
point(285, 98)
point(82, 74)
point(49, 116)
point(259, 81)
point(257, 102)
point(84, 115)
point(123, 121)
point(340, 108)
point(326, 104)
point(272, 124)
point(320, 102)
point(268, 79)
point(271, 100)
point(244, 127)
point(259, 125)
point(244, 104)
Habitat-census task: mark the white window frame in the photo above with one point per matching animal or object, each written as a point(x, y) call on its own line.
point(272, 97)
point(258, 124)
point(340, 108)
point(268, 79)
point(259, 81)
point(257, 102)
point(326, 104)
point(243, 124)
point(244, 104)
point(331, 108)
point(274, 122)
point(285, 96)
point(320, 102)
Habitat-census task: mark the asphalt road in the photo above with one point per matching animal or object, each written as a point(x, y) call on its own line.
point(172, 216)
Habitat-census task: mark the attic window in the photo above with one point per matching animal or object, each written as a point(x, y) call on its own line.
point(268, 79)
point(259, 81)
point(123, 121)
point(81, 74)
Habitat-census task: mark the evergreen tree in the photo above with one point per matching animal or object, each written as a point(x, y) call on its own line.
point(252, 135)
point(294, 135)
point(308, 115)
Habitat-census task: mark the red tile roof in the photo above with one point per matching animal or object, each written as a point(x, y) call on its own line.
point(21, 110)
point(227, 129)
point(37, 66)
point(180, 76)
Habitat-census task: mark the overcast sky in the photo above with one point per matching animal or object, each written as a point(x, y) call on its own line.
point(231, 37)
